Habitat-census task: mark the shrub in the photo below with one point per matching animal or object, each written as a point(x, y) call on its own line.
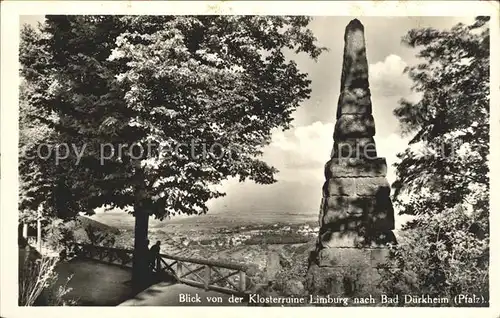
point(99, 237)
point(290, 280)
point(37, 280)
point(57, 294)
point(444, 255)
point(60, 234)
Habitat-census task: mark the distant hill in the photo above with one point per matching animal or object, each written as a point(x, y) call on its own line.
point(120, 219)
point(86, 222)
point(91, 231)
point(123, 220)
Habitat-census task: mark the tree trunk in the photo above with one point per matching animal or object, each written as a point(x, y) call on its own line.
point(140, 270)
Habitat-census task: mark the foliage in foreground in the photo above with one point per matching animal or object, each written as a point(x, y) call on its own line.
point(443, 259)
point(38, 281)
point(61, 234)
point(442, 177)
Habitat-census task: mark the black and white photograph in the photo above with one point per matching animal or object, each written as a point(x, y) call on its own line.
point(252, 160)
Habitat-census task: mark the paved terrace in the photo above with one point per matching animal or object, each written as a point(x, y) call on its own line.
point(97, 280)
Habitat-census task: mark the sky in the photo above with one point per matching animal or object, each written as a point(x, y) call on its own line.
point(301, 152)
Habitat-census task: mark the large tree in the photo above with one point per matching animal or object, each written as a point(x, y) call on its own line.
point(442, 177)
point(171, 86)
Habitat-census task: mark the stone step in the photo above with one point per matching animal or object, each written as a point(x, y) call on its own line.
point(356, 205)
point(354, 101)
point(354, 148)
point(355, 167)
point(356, 186)
point(354, 126)
point(341, 220)
point(338, 256)
point(358, 239)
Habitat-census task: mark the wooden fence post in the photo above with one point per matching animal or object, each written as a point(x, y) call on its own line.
point(179, 269)
point(242, 281)
point(207, 276)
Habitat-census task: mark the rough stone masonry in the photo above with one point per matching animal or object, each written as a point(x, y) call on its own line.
point(356, 215)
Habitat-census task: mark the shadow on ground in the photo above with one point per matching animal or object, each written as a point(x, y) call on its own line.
point(98, 284)
point(95, 284)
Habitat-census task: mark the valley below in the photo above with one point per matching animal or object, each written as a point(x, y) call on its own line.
point(261, 240)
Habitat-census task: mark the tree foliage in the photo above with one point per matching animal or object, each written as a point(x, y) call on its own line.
point(41, 180)
point(449, 151)
point(442, 177)
point(165, 80)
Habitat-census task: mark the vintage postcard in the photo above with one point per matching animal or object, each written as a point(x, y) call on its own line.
point(192, 156)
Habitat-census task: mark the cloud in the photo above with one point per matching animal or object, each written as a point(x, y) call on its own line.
point(387, 77)
point(310, 143)
point(304, 150)
point(388, 147)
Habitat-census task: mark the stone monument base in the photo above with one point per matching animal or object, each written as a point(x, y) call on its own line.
point(345, 271)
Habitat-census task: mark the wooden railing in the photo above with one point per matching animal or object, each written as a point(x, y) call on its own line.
point(210, 275)
point(108, 255)
point(224, 277)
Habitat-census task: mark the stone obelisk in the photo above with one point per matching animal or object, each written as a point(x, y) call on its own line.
point(356, 215)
